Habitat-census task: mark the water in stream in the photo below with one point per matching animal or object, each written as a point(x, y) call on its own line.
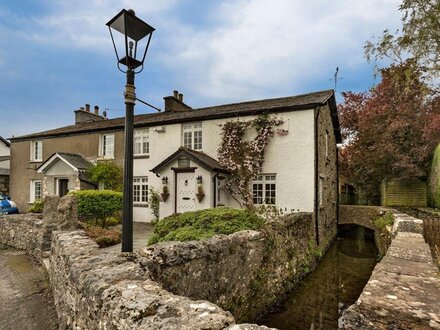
point(336, 283)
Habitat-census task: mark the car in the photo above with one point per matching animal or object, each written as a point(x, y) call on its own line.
point(7, 206)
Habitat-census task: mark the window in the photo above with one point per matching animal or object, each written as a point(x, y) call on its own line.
point(264, 189)
point(36, 191)
point(321, 191)
point(192, 136)
point(37, 151)
point(326, 143)
point(141, 142)
point(107, 145)
point(140, 190)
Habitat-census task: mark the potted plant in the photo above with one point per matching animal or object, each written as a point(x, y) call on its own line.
point(200, 193)
point(165, 193)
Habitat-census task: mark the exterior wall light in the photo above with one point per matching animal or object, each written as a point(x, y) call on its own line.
point(199, 179)
point(165, 180)
point(135, 32)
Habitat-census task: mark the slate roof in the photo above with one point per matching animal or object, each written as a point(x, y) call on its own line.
point(75, 160)
point(5, 141)
point(198, 157)
point(291, 103)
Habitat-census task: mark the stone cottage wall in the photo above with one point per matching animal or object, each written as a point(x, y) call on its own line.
point(245, 272)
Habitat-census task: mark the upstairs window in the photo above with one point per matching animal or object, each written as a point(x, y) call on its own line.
point(192, 136)
point(107, 145)
point(37, 151)
point(140, 190)
point(141, 142)
point(264, 189)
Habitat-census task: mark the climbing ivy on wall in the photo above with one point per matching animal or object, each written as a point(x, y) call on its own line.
point(244, 158)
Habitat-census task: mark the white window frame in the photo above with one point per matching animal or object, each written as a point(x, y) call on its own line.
point(37, 150)
point(33, 195)
point(140, 190)
point(192, 136)
point(264, 180)
point(141, 142)
point(108, 154)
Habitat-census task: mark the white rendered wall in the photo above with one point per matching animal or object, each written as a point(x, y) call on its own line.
point(4, 151)
point(290, 157)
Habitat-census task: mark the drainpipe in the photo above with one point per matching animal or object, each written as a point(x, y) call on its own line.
point(215, 188)
point(316, 206)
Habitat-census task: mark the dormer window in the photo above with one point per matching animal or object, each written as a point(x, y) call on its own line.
point(192, 136)
point(37, 151)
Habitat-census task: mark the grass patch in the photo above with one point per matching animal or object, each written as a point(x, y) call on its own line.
point(386, 220)
point(204, 224)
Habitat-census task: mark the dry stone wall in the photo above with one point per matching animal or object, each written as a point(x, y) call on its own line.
point(245, 272)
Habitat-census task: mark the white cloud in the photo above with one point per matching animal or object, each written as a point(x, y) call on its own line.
point(264, 43)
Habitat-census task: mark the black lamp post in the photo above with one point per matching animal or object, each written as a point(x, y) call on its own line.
point(134, 31)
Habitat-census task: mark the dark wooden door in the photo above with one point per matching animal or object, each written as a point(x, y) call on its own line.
point(63, 187)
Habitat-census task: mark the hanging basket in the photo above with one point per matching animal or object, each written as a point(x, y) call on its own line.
point(200, 197)
point(164, 197)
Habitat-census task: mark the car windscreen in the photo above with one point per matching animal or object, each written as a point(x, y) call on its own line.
point(2, 198)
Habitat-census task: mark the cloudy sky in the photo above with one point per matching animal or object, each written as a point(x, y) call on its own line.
point(56, 55)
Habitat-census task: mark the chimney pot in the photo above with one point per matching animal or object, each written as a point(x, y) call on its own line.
point(96, 110)
point(180, 97)
point(176, 93)
point(88, 107)
point(81, 108)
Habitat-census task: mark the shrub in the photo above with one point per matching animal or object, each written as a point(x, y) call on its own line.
point(386, 220)
point(102, 236)
point(154, 200)
point(107, 173)
point(204, 224)
point(37, 206)
point(97, 205)
point(113, 221)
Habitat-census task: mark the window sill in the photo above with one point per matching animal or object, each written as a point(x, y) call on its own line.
point(140, 205)
point(141, 156)
point(105, 158)
point(35, 161)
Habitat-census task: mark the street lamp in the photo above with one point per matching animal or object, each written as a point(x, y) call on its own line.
point(134, 32)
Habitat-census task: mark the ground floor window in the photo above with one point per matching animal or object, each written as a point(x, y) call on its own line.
point(264, 189)
point(140, 190)
point(36, 191)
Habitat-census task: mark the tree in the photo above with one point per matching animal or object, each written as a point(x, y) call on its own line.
point(390, 131)
point(418, 38)
point(108, 173)
point(244, 159)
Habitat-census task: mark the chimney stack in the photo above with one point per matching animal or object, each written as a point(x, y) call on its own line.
point(96, 110)
point(82, 115)
point(175, 102)
point(88, 107)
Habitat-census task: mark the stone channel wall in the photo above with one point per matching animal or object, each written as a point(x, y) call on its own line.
point(245, 272)
point(209, 284)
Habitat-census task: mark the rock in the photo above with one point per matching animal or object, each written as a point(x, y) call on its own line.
point(67, 213)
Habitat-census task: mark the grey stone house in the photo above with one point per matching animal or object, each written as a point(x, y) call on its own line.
point(4, 165)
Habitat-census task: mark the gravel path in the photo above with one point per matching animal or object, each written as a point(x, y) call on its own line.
point(26, 302)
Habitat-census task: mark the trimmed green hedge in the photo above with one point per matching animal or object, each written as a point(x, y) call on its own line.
point(204, 224)
point(97, 205)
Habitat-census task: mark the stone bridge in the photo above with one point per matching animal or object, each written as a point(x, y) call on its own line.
point(360, 215)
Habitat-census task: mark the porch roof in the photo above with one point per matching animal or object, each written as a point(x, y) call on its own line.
point(76, 162)
point(198, 157)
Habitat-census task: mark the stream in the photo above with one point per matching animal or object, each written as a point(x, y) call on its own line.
point(335, 284)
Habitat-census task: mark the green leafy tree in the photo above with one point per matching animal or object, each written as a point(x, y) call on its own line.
point(107, 173)
point(418, 38)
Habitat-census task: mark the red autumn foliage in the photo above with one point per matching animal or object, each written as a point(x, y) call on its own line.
point(390, 131)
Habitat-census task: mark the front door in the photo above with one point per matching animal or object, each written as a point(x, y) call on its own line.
point(186, 193)
point(63, 185)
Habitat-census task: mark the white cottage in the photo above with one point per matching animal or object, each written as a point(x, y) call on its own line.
point(177, 148)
